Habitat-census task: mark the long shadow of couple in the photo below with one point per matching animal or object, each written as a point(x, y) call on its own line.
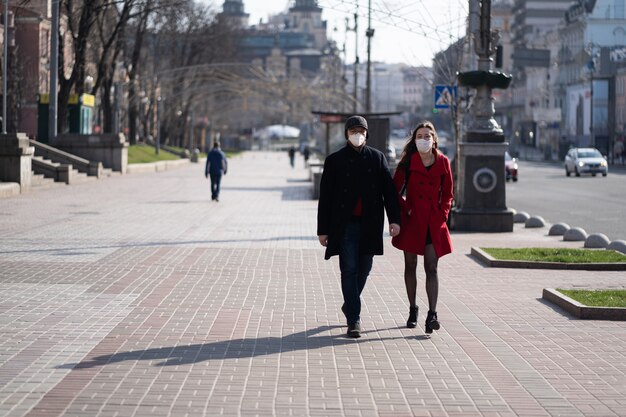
point(232, 349)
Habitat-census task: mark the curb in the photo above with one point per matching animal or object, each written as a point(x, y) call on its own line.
point(156, 166)
point(9, 189)
point(582, 311)
point(488, 260)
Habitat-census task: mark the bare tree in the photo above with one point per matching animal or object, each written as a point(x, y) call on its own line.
point(186, 44)
point(80, 18)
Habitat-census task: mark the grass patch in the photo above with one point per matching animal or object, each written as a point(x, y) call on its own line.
point(579, 256)
point(180, 150)
point(597, 298)
point(139, 154)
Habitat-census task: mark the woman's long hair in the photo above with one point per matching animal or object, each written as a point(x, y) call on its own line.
point(410, 148)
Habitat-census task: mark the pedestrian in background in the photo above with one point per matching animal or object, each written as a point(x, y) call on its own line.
point(424, 177)
point(618, 152)
point(306, 153)
point(292, 155)
point(216, 166)
point(355, 189)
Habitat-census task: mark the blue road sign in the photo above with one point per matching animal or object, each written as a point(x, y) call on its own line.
point(444, 96)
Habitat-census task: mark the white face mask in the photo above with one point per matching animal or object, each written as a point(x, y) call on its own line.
point(423, 145)
point(357, 139)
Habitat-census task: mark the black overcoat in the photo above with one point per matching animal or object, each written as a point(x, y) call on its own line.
point(348, 175)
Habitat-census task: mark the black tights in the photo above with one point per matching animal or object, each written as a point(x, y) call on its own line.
point(432, 281)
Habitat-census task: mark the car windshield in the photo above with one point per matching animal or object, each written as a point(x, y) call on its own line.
point(507, 157)
point(589, 154)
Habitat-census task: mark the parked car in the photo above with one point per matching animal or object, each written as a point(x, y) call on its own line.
point(585, 161)
point(510, 167)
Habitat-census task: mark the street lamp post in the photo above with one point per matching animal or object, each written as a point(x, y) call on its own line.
point(356, 57)
point(481, 200)
point(158, 125)
point(5, 66)
point(54, 72)
point(369, 33)
point(591, 132)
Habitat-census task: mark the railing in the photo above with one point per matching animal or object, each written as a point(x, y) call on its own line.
point(90, 168)
point(54, 170)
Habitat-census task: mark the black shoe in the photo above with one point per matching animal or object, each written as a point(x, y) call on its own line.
point(431, 322)
point(354, 330)
point(412, 321)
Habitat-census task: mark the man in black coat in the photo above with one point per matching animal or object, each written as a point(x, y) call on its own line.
point(355, 189)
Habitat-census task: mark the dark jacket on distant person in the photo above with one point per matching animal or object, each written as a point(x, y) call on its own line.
point(216, 163)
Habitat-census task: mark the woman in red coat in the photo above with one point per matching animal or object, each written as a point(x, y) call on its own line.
point(425, 174)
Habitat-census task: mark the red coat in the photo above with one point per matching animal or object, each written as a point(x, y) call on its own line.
point(429, 199)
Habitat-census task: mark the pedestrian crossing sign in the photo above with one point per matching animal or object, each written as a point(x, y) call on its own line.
point(444, 96)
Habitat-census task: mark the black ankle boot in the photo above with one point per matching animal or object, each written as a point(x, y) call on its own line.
point(431, 322)
point(412, 321)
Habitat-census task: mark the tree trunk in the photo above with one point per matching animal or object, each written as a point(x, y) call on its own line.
point(133, 113)
point(107, 106)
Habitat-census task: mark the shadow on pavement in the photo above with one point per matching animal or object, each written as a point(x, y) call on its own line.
point(230, 349)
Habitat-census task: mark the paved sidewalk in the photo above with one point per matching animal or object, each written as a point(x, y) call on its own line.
point(139, 296)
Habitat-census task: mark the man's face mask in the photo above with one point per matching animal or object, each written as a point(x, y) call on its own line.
point(357, 139)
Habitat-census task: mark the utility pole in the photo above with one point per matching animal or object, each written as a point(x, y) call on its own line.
point(54, 72)
point(369, 33)
point(592, 68)
point(356, 58)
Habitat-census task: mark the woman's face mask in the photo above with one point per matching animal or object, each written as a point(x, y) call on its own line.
point(424, 145)
point(424, 140)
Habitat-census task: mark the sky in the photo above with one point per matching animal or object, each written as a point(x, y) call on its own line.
point(405, 31)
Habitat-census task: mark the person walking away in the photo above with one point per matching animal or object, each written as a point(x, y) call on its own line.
point(618, 152)
point(424, 176)
point(306, 153)
point(216, 166)
point(355, 189)
point(292, 156)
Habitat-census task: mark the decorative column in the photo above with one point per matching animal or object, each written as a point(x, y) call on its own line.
point(481, 200)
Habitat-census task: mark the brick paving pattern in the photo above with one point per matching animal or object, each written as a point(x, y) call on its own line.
point(139, 296)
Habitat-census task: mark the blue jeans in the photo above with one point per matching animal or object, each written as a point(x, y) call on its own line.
point(215, 185)
point(355, 268)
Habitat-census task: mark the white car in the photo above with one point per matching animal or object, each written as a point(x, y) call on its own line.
point(585, 161)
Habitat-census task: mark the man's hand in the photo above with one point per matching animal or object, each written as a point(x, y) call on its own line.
point(394, 229)
point(323, 240)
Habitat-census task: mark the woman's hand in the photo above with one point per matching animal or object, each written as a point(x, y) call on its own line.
point(394, 229)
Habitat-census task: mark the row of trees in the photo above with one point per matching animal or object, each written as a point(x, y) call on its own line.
point(172, 59)
point(130, 43)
